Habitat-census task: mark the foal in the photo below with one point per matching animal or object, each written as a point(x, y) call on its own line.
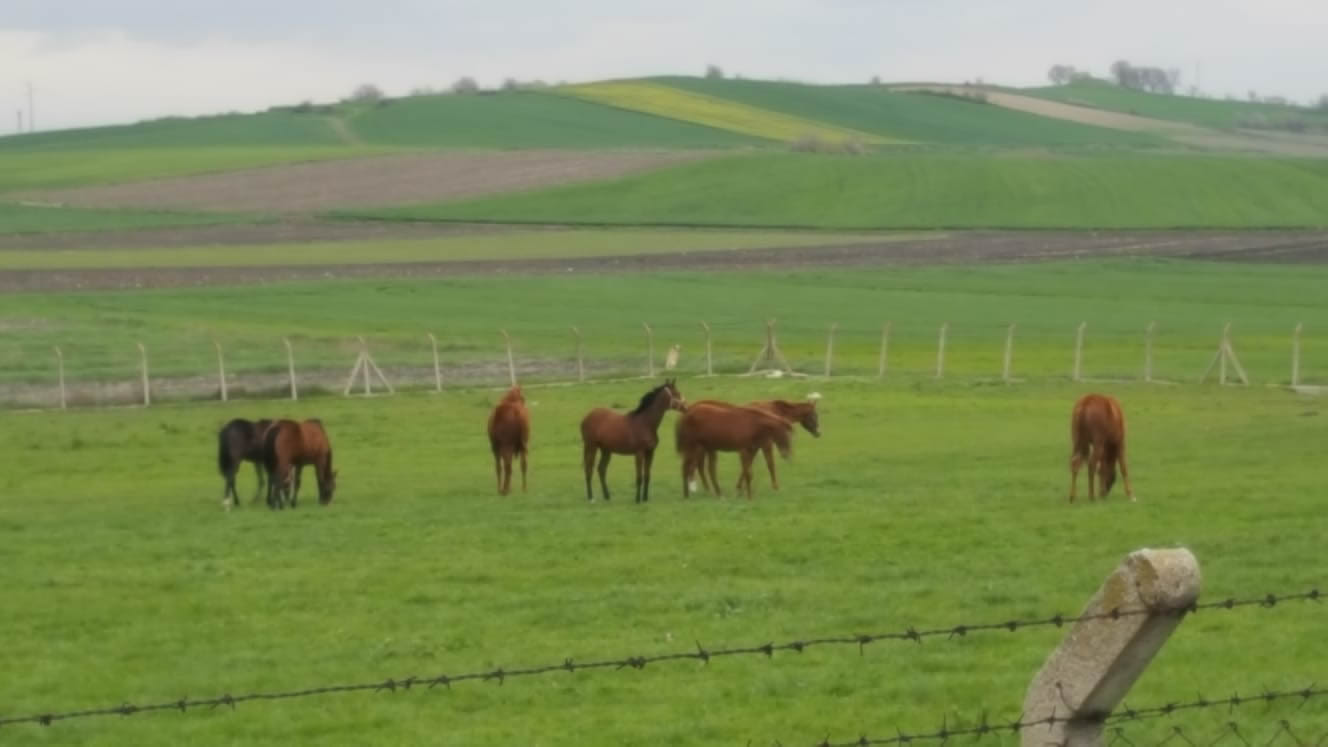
point(509, 434)
point(240, 441)
point(1097, 423)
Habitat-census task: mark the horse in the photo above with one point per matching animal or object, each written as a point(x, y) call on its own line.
point(711, 426)
point(636, 433)
point(288, 447)
point(509, 434)
point(803, 413)
point(240, 441)
point(1097, 423)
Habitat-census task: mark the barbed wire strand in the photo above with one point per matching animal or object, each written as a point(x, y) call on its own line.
point(702, 654)
point(1123, 715)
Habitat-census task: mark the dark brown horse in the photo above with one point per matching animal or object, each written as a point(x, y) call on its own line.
point(1097, 432)
point(635, 433)
point(509, 434)
point(288, 448)
point(712, 426)
point(240, 441)
point(803, 413)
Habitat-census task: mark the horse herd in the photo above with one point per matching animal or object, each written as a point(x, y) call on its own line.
point(280, 449)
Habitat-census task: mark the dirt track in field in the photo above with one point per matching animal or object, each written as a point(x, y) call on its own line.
point(304, 188)
point(970, 247)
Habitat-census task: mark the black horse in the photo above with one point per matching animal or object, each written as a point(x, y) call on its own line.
point(238, 442)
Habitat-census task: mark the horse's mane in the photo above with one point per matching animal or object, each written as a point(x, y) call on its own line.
point(647, 398)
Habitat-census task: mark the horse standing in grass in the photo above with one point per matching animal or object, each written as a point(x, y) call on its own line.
point(240, 441)
point(712, 426)
point(1097, 432)
point(803, 413)
point(509, 435)
point(636, 433)
point(288, 448)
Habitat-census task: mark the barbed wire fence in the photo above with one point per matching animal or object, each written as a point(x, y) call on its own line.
point(106, 373)
point(1094, 614)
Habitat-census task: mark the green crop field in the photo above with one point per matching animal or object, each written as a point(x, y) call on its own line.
point(15, 219)
point(911, 116)
point(269, 129)
point(929, 191)
point(76, 168)
point(924, 507)
point(1221, 114)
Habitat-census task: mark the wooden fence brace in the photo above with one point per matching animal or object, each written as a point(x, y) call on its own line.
point(650, 350)
point(1225, 353)
point(830, 347)
point(1222, 355)
point(437, 369)
point(1079, 352)
point(60, 371)
point(511, 363)
point(884, 360)
point(1148, 351)
point(370, 365)
point(580, 355)
point(1091, 671)
point(1295, 355)
point(1008, 362)
point(221, 370)
point(364, 367)
point(1231, 355)
point(290, 368)
point(940, 350)
point(770, 352)
point(143, 368)
point(710, 362)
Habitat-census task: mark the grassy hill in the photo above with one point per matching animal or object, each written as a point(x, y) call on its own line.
point(1224, 115)
point(917, 117)
point(930, 191)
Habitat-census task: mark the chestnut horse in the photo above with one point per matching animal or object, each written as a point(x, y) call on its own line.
point(803, 413)
point(509, 434)
point(240, 441)
point(1098, 423)
point(711, 426)
point(635, 433)
point(288, 447)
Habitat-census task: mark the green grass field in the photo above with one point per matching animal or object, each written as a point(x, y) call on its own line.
point(920, 506)
point(77, 168)
point(1220, 114)
point(928, 191)
point(17, 219)
point(504, 245)
point(1190, 302)
point(268, 129)
point(910, 116)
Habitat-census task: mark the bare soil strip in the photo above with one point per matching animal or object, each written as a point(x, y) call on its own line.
point(954, 248)
point(368, 181)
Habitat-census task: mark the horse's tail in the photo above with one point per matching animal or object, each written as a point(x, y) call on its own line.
point(783, 438)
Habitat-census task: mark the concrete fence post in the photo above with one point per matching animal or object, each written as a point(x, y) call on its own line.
point(1148, 351)
point(830, 348)
point(1295, 355)
point(221, 369)
point(290, 368)
point(710, 362)
point(143, 369)
point(437, 369)
point(650, 350)
point(884, 360)
point(940, 350)
point(580, 355)
point(1007, 363)
point(1088, 675)
point(1079, 351)
point(511, 362)
point(60, 370)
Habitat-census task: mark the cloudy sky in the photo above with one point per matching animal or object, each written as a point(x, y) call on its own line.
point(105, 61)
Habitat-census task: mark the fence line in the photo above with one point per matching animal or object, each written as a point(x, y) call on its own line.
point(1224, 362)
point(700, 654)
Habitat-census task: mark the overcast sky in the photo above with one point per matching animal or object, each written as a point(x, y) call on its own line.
point(106, 61)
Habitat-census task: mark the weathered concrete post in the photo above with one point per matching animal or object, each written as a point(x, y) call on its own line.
point(1088, 675)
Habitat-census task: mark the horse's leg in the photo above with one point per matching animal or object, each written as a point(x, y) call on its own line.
point(498, 469)
point(604, 471)
point(712, 458)
point(1095, 467)
point(507, 471)
point(686, 473)
point(745, 459)
point(1125, 472)
point(295, 496)
point(1076, 462)
point(637, 459)
point(649, 459)
point(770, 464)
point(259, 473)
point(588, 461)
point(523, 470)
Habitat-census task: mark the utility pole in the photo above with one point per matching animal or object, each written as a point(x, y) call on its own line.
point(19, 113)
point(32, 112)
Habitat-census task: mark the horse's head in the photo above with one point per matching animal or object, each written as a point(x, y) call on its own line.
point(811, 421)
point(327, 487)
point(1107, 471)
point(514, 395)
point(676, 400)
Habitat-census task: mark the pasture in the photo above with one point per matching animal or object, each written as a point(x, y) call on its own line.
point(922, 505)
point(927, 191)
point(1220, 114)
point(29, 219)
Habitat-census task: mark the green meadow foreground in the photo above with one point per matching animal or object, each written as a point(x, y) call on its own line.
point(924, 505)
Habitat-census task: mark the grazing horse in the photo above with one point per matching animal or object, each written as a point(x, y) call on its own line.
point(711, 426)
point(1098, 423)
point(635, 433)
point(240, 441)
point(288, 448)
point(509, 434)
point(803, 413)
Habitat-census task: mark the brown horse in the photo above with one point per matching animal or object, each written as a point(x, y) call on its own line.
point(635, 433)
point(288, 448)
point(803, 413)
point(1098, 423)
point(240, 441)
point(509, 434)
point(712, 426)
